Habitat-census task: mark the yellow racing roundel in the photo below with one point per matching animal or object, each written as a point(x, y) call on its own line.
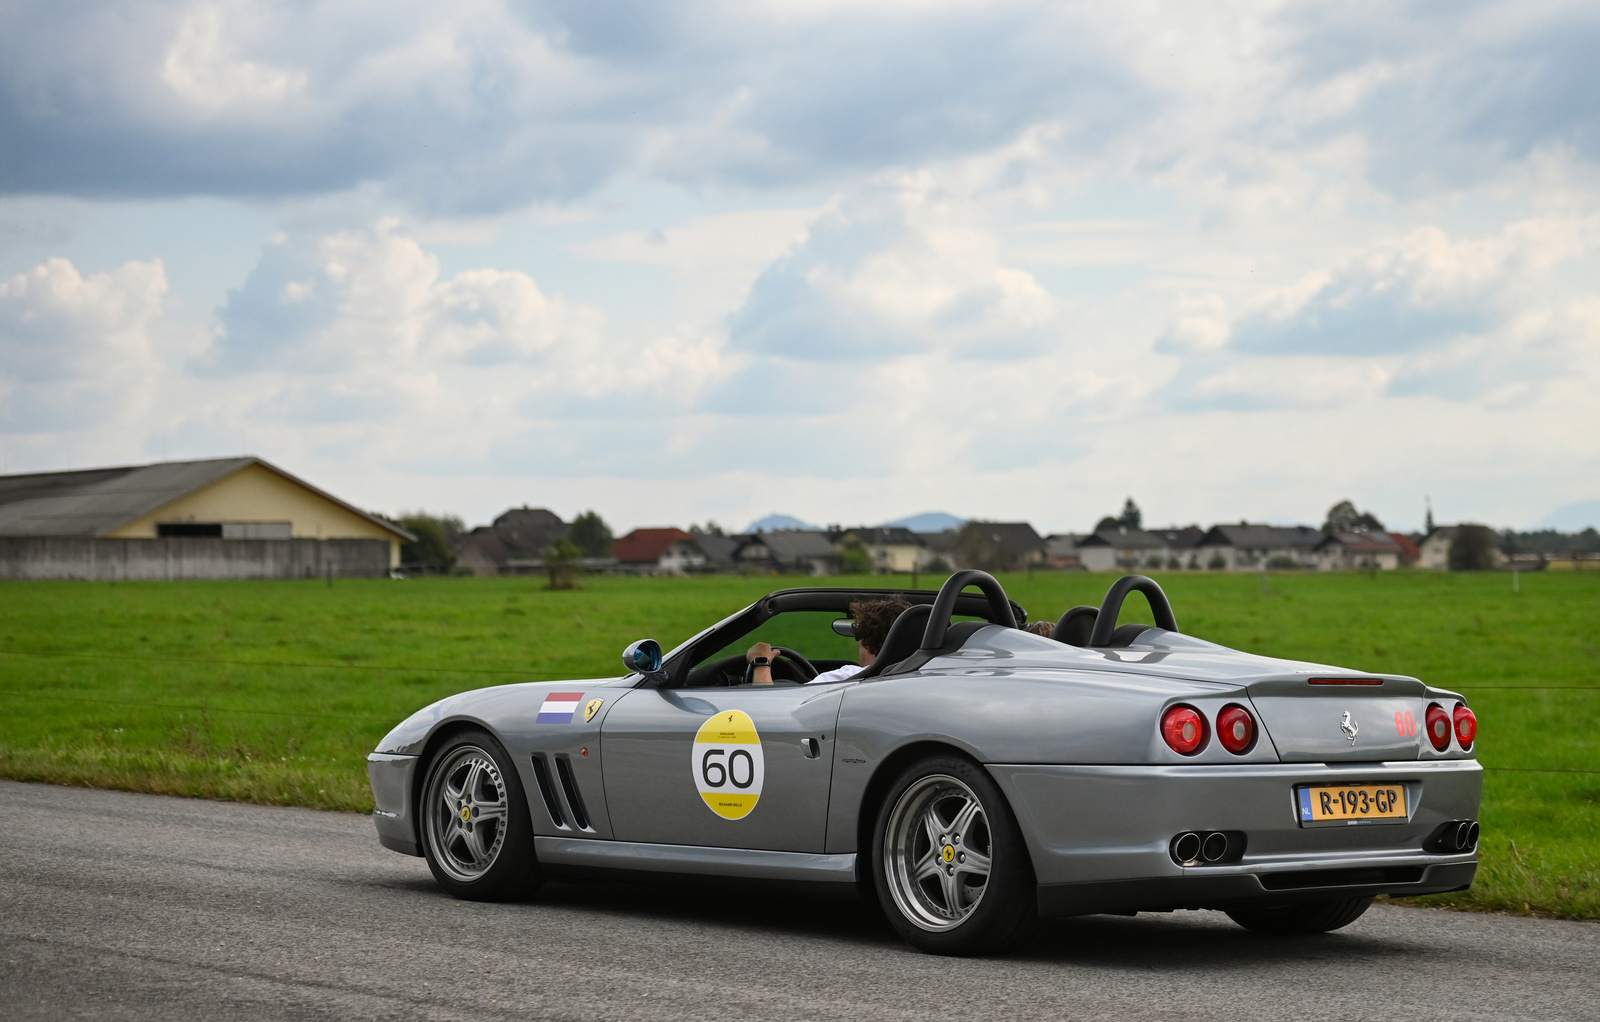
point(727, 764)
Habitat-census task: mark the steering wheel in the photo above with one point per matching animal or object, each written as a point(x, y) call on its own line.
point(797, 665)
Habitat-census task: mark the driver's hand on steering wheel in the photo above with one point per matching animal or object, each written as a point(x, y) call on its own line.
point(762, 654)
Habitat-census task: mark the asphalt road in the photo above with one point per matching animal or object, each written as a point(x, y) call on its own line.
point(140, 907)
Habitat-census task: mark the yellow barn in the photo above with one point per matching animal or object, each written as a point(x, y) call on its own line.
point(224, 518)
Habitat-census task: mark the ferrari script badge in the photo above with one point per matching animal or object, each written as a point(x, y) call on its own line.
point(591, 708)
point(1349, 726)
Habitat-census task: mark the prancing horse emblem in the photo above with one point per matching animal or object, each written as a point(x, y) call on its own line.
point(1349, 726)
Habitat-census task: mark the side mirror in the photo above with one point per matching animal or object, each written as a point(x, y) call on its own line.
point(643, 657)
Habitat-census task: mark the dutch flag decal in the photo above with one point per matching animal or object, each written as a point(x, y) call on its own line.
point(559, 707)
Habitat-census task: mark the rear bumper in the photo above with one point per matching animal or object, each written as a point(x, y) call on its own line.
point(392, 778)
point(1099, 836)
point(1226, 890)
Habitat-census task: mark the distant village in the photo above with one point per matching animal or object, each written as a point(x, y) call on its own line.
point(244, 517)
point(536, 540)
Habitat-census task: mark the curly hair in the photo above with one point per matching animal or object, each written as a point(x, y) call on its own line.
point(1045, 628)
point(873, 618)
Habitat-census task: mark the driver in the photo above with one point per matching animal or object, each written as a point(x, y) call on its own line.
point(872, 617)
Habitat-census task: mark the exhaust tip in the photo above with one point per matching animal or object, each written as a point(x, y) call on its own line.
point(1472, 834)
point(1186, 847)
point(1214, 847)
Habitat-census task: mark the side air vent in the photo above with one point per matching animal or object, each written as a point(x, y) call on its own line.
point(548, 793)
point(569, 785)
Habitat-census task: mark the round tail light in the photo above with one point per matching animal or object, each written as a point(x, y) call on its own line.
point(1184, 729)
point(1466, 726)
point(1438, 727)
point(1236, 729)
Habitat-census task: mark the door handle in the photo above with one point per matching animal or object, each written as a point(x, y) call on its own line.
point(810, 747)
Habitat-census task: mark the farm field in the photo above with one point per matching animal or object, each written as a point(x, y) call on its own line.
point(274, 692)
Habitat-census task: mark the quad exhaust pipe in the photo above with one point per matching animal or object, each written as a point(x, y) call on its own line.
point(1206, 847)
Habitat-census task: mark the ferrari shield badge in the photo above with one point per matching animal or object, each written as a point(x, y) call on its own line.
point(591, 708)
point(727, 764)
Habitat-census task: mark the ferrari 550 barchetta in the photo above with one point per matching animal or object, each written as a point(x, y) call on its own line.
point(974, 779)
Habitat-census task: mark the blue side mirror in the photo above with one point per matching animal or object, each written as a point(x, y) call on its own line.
point(643, 657)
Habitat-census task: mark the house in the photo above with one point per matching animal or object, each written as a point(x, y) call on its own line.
point(997, 546)
point(1246, 547)
point(1435, 548)
point(1363, 551)
point(222, 518)
point(1410, 553)
point(1124, 549)
point(660, 552)
point(514, 544)
point(719, 550)
point(787, 551)
point(940, 547)
point(1061, 550)
point(893, 549)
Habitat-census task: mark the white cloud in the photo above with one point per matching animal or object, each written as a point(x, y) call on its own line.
point(900, 267)
point(76, 351)
point(202, 66)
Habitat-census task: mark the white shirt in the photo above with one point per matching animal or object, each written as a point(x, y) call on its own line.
point(837, 674)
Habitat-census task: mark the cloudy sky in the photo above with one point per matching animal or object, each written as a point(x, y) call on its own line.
point(679, 261)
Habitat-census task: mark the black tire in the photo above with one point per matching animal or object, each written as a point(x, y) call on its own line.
point(473, 817)
point(994, 918)
point(1301, 918)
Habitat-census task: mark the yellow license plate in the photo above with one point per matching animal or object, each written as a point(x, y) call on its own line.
point(1322, 802)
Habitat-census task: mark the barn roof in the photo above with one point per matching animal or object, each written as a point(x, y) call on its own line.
point(97, 501)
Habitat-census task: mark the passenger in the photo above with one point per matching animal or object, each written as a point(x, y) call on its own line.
point(872, 617)
point(1044, 628)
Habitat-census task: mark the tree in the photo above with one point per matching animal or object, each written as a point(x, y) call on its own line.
point(1474, 548)
point(1343, 517)
point(434, 547)
point(591, 535)
point(854, 559)
point(1131, 516)
point(561, 560)
point(975, 548)
point(1107, 524)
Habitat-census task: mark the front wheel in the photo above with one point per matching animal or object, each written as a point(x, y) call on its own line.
point(476, 832)
point(1301, 918)
point(950, 867)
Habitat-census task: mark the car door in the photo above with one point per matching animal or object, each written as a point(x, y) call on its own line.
point(743, 767)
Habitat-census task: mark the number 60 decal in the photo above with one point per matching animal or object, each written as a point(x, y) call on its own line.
point(727, 764)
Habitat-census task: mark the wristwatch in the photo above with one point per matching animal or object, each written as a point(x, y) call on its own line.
point(760, 661)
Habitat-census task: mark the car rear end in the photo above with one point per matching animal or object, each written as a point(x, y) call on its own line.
point(1282, 790)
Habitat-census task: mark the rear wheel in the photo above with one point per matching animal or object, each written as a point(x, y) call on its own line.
point(1301, 917)
point(476, 832)
point(950, 867)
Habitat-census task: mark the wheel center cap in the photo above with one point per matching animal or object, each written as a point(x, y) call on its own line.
point(949, 853)
point(466, 812)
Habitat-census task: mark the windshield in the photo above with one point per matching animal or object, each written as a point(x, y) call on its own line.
point(808, 632)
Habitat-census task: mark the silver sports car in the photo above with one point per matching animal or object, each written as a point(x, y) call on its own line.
point(974, 779)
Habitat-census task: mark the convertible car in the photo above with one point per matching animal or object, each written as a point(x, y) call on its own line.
point(975, 778)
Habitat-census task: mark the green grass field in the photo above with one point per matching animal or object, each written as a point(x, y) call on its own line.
point(275, 691)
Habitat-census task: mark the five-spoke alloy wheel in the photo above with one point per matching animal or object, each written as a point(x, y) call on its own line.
point(477, 836)
point(950, 866)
